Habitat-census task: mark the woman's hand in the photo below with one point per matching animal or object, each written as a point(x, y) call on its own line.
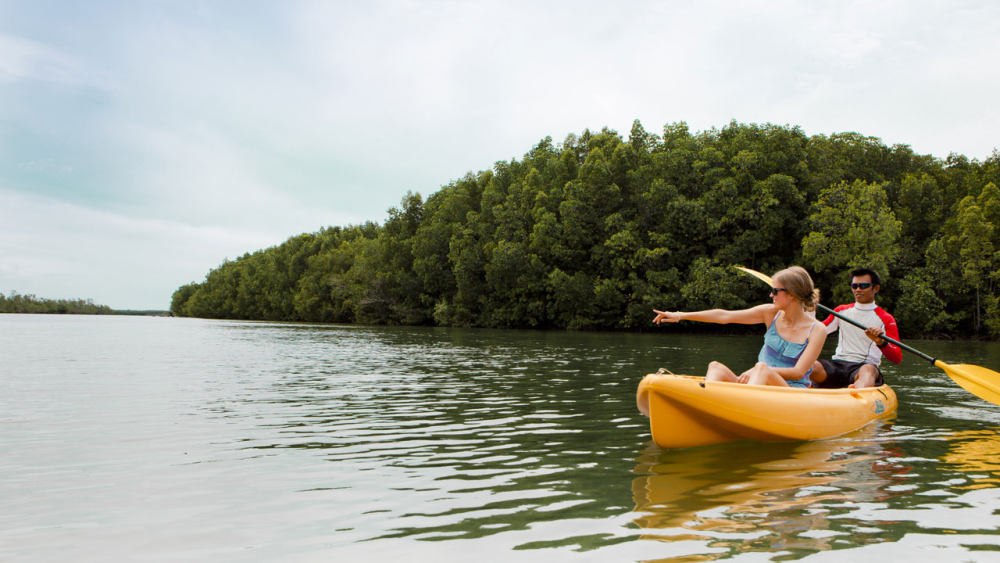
point(666, 316)
point(748, 374)
point(745, 376)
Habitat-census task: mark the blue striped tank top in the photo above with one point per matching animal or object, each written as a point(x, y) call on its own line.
point(780, 353)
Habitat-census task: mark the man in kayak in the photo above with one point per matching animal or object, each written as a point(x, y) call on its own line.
point(859, 353)
point(793, 340)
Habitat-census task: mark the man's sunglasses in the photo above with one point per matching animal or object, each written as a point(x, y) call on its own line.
point(864, 285)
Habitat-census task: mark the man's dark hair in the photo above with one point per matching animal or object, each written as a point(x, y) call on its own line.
point(867, 272)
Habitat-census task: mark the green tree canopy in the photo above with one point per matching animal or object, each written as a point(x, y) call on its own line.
point(851, 225)
point(594, 232)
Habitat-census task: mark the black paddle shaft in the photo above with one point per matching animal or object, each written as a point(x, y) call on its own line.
point(884, 337)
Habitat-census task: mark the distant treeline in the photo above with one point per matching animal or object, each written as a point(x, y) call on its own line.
point(595, 232)
point(142, 312)
point(14, 303)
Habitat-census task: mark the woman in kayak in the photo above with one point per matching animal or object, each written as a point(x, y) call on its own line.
point(793, 340)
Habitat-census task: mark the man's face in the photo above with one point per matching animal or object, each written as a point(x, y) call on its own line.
point(863, 288)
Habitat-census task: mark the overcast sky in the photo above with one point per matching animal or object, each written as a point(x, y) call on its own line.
point(143, 143)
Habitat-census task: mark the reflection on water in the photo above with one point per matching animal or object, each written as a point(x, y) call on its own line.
point(871, 487)
point(764, 497)
point(183, 439)
point(976, 453)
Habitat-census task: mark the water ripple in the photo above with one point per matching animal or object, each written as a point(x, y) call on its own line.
point(182, 439)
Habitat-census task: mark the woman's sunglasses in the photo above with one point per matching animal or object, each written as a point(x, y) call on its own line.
point(776, 290)
point(864, 285)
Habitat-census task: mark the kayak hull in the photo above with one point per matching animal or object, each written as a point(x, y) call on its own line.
point(687, 411)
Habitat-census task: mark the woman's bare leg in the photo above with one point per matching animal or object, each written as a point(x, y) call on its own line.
point(717, 371)
point(763, 374)
point(818, 374)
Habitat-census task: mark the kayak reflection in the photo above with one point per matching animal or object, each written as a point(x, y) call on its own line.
point(976, 452)
point(774, 495)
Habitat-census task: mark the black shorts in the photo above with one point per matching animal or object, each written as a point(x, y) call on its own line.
point(841, 373)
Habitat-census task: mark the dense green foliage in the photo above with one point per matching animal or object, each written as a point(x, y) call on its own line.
point(15, 303)
point(595, 232)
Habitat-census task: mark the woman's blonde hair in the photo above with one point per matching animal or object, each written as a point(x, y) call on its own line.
point(799, 285)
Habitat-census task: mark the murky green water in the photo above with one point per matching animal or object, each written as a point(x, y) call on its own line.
point(129, 438)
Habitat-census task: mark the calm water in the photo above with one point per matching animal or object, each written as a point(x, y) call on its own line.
point(130, 438)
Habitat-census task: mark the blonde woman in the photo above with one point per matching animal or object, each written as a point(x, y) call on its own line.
point(792, 343)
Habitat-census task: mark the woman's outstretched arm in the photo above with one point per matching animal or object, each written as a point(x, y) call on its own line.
point(759, 314)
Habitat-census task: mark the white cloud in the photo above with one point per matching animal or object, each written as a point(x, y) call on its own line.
point(58, 250)
point(196, 171)
point(252, 125)
point(24, 59)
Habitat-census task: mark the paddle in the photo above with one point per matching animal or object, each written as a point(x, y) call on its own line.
point(981, 382)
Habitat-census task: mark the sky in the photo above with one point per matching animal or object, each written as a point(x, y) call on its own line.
point(144, 143)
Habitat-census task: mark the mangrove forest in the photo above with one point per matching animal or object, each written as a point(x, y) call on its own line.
point(594, 232)
point(17, 303)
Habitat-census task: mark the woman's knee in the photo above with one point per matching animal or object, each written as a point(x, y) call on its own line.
point(719, 371)
point(715, 367)
point(765, 375)
point(818, 374)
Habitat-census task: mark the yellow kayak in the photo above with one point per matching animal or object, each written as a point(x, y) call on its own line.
point(686, 411)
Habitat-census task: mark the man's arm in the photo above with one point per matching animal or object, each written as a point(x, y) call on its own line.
point(832, 322)
point(891, 352)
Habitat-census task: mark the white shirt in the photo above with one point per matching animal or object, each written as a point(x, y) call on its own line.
point(853, 344)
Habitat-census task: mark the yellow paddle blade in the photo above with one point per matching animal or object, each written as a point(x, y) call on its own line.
point(766, 278)
point(981, 382)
